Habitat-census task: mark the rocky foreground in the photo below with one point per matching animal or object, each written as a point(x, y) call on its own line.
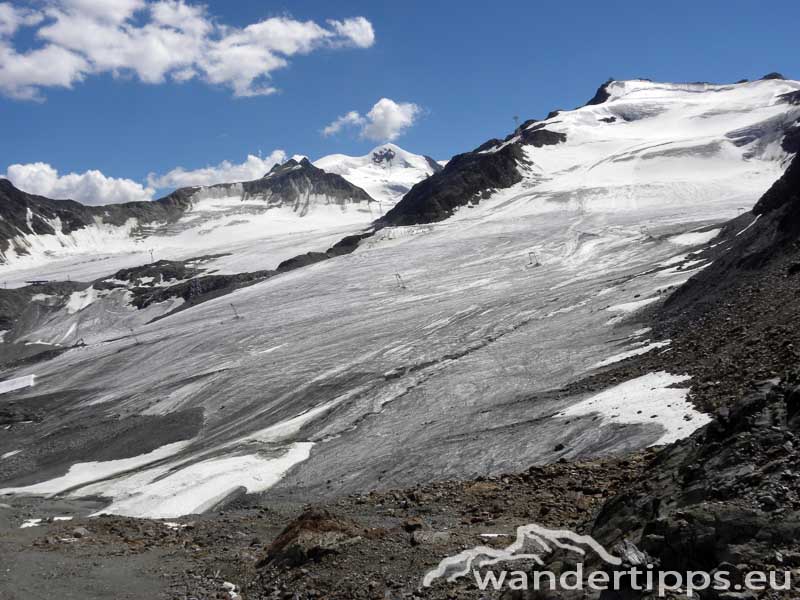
point(726, 498)
point(377, 545)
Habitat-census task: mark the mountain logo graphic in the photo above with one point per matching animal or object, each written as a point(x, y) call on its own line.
point(532, 542)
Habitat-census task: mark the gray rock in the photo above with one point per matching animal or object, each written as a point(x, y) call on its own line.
point(429, 538)
point(80, 532)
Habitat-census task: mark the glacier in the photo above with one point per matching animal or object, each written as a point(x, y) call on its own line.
point(335, 378)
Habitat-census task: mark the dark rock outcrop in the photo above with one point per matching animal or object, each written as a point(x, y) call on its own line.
point(470, 177)
point(293, 182)
point(197, 290)
point(344, 246)
point(466, 178)
point(782, 200)
point(727, 495)
point(791, 97)
point(435, 166)
point(791, 139)
point(601, 95)
point(14, 302)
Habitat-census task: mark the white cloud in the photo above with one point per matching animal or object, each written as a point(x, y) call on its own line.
point(94, 188)
point(351, 118)
point(386, 121)
point(12, 18)
point(21, 75)
point(90, 187)
point(358, 31)
point(112, 11)
point(157, 40)
point(254, 167)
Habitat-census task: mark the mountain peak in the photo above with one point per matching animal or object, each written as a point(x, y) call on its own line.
point(383, 155)
point(295, 163)
point(387, 172)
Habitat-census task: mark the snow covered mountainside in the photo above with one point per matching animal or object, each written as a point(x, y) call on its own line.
point(39, 235)
point(386, 173)
point(636, 145)
point(474, 330)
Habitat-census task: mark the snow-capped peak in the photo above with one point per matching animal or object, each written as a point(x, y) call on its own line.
point(387, 172)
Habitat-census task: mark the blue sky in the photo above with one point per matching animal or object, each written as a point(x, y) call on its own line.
point(468, 67)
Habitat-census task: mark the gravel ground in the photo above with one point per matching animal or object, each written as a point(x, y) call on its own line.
point(392, 539)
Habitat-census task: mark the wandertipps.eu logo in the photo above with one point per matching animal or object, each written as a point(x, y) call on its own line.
point(533, 543)
point(492, 568)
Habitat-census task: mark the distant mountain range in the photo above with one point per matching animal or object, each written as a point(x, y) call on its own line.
point(337, 190)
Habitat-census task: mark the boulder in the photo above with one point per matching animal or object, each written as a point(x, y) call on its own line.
point(311, 536)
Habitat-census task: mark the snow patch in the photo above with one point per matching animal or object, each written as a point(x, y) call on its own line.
point(630, 307)
point(19, 383)
point(80, 300)
point(30, 523)
point(81, 474)
point(646, 399)
point(753, 222)
point(694, 238)
point(175, 491)
point(647, 347)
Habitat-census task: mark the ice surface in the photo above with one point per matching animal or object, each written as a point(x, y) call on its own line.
point(449, 374)
point(92, 316)
point(426, 381)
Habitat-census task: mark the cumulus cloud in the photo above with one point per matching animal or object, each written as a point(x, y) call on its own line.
point(357, 31)
point(157, 41)
point(12, 18)
point(386, 120)
point(94, 188)
point(253, 167)
point(90, 187)
point(351, 118)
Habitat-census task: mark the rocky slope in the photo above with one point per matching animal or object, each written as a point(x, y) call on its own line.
point(725, 499)
point(298, 184)
point(465, 179)
point(25, 217)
